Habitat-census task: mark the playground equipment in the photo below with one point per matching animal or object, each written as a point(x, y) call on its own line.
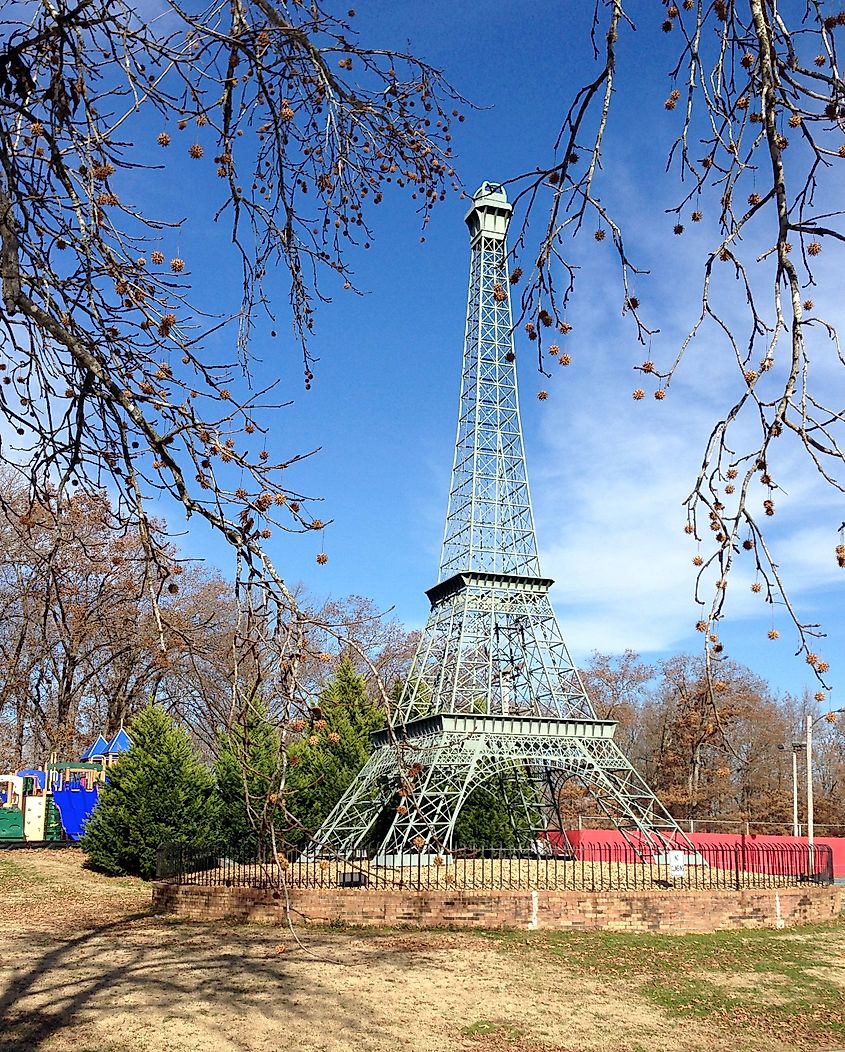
point(52, 804)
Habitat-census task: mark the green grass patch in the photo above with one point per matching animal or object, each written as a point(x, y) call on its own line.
point(768, 981)
point(489, 1027)
point(14, 868)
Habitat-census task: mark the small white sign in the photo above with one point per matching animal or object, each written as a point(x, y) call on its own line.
point(677, 864)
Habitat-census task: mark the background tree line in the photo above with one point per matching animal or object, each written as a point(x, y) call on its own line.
point(89, 637)
point(83, 649)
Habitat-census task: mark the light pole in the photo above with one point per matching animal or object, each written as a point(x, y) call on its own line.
point(795, 748)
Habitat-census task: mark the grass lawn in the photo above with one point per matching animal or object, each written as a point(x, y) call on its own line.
point(83, 965)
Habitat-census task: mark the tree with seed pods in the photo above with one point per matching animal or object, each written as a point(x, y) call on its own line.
point(112, 372)
point(755, 104)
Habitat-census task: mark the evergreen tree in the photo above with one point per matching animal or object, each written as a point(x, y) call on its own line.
point(156, 793)
point(248, 768)
point(324, 762)
point(494, 816)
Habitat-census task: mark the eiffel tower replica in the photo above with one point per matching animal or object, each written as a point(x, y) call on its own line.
point(492, 696)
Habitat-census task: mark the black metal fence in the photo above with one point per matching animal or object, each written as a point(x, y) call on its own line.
point(600, 867)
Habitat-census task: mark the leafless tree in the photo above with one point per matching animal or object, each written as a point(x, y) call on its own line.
point(758, 154)
point(294, 129)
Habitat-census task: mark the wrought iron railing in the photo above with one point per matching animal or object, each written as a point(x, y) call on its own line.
point(598, 867)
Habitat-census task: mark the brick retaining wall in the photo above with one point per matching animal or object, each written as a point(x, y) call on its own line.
point(668, 911)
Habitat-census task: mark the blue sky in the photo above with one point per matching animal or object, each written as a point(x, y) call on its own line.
point(608, 475)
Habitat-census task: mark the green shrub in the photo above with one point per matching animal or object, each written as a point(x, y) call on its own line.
point(156, 793)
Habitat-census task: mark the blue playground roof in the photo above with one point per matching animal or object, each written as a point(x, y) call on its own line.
point(121, 742)
point(32, 772)
point(96, 750)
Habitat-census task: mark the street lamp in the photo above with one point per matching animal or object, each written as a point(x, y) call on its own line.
point(796, 748)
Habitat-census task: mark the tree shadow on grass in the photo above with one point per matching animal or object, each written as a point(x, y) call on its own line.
point(146, 982)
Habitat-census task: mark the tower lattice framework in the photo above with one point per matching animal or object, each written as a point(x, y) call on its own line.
point(492, 696)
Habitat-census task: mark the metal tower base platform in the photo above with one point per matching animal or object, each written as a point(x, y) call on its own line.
point(411, 791)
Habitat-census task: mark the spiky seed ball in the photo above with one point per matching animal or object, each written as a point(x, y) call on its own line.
point(729, 488)
point(773, 633)
point(157, 257)
point(564, 328)
point(554, 350)
point(742, 103)
point(822, 666)
point(647, 367)
point(701, 626)
point(638, 395)
point(565, 359)
point(599, 235)
point(756, 587)
point(842, 150)
point(819, 696)
point(794, 120)
point(814, 248)
point(748, 545)
point(196, 151)
point(808, 304)
point(820, 60)
point(286, 112)
point(696, 216)
point(697, 561)
point(754, 199)
point(177, 265)
point(812, 659)
point(689, 528)
point(678, 228)
point(516, 275)
point(633, 302)
point(542, 395)
point(322, 558)
point(163, 139)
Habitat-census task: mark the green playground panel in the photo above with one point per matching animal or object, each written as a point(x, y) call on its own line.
point(11, 823)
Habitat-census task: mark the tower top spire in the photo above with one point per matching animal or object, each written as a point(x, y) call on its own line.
point(490, 213)
point(489, 523)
